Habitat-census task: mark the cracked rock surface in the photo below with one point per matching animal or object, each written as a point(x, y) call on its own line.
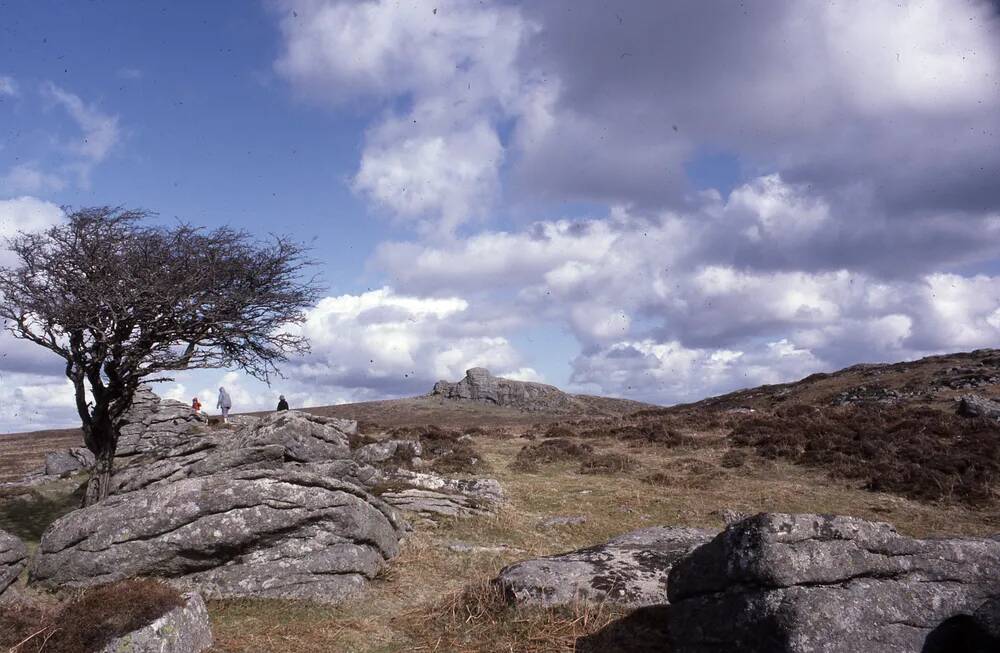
point(252, 533)
point(268, 443)
point(629, 570)
point(821, 583)
point(13, 558)
point(185, 629)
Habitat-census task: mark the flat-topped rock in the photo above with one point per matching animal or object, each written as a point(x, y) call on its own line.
point(480, 386)
point(820, 583)
point(13, 558)
point(185, 629)
point(629, 570)
point(155, 423)
point(252, 533)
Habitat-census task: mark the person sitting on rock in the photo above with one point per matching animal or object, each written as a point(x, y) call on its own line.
point(282, 404)
point(224, 404)
point(196, 406)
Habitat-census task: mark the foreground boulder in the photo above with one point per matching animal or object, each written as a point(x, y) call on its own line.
point(978, 406)
point(253, 533)
point(185, 629)
point(812, 583)
point(629, 570)
point(13, 558)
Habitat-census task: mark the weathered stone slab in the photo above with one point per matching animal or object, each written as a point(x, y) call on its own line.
point(628, 570)
point(819, 583)
point(253, 533)
point(185, 629)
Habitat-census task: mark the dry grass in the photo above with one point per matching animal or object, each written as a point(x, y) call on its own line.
point(24, 453)
point(86, 622)
point(435, 599)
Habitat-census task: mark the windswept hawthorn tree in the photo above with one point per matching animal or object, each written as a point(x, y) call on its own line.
point(122, 301)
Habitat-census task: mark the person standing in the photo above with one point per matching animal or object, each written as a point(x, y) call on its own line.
point(282, 404)
point(224, 404)
point(196, 406)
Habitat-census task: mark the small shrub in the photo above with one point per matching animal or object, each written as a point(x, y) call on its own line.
point(608, 463)
point(549, 451)
point(88, 622)
point(733, 458)
point(460, 457)
point(558, 431)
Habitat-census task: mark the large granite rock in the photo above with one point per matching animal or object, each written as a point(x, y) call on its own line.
point(59, 463)
point(154, 423)
point(13, 558)
point(814, 583)
point(253, 533)
point(629, 570)
point(482, 387)
point(433, 496)
point(185, 629)
point(268, 443)
point(978, 406)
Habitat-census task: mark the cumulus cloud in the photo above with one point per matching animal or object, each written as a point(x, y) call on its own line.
point(443, 74)
point(25, 214)
point(385, 343)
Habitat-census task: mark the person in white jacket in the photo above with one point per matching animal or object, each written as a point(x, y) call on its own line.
point(224, 404)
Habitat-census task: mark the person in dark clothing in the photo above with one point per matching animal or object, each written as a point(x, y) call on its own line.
point(282, 404)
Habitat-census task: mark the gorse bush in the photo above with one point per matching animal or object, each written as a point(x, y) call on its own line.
point(917, 452)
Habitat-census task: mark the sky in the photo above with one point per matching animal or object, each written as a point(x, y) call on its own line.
point(659, 201)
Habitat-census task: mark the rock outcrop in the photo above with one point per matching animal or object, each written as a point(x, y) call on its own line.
point(68, 461)
point(254, 533)
point(154, 423)
point(812, 583)
point(629, 570)
point(268, 443)
point(978, 406)
point(185, 629)
point(482, 387)
point(13, 558)
point(432, 496)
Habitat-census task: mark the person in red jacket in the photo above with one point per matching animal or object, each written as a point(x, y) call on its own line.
point(196, 405)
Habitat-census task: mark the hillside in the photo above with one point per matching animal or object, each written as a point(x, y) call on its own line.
point(936, 381)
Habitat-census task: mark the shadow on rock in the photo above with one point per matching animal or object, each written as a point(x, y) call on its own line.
point(961, 633)
point(644, 631)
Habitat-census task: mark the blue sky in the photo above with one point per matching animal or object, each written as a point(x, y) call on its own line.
point(654, 200)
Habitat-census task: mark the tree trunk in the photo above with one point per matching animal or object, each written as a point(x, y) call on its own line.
point(104, 437)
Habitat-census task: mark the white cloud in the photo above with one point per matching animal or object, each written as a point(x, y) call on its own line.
point(35, 402)
point(450, 69)
point(24, 214)
point(399, 344)
point(8, 86)
point(28, 178)
point(100, 131)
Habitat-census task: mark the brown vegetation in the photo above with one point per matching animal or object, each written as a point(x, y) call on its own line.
point(550, 451)
point(89, 621)
point(609, 463)
point(917, 452)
